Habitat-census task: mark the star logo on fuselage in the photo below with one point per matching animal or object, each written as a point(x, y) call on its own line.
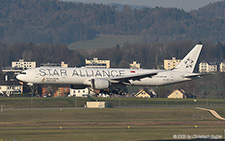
point(189, 63)
point(43, 80)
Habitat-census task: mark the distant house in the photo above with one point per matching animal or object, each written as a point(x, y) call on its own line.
point(143, 94)
point(59, 92)
point(179, 93)
point(79, 92)
point(10, 87)
point(23, 64)
point(95, 63)
point(45, 92)
point(222, 67)
point(205, 67)
point(62, 91)
point(170, 64)
point(135, 65)
point(48, 64)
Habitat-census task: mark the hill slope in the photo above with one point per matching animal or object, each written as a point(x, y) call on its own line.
point(212, 10)
point(44, 21)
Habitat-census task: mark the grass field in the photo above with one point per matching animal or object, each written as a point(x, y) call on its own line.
point(123, 123)
point(35, 102)
point(107, 124)
point(105, 41)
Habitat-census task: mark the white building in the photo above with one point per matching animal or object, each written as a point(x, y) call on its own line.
point(212, 67)
point(48, 64)
point(10, 87)
point(205, 67)
point(135, 65)
point(79, 92)
point(23, 64)
point(95, 63)
point(222, 67)
point(170, 64)
point(63, 65)
point(95, 104)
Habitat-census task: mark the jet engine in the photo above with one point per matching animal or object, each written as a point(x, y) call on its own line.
point(100, 83)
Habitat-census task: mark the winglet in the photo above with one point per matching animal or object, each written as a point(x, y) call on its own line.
point(190, 60)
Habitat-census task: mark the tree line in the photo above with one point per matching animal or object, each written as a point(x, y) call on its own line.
point(53, 21)
point(150, 55)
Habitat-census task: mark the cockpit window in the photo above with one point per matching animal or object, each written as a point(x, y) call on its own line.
point(23, 72)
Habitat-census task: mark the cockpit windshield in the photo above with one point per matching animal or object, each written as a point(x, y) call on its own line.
point(23, 72)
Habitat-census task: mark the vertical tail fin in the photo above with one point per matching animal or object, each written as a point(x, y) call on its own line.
point(190, 60)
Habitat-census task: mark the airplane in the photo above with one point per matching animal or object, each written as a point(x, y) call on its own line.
point(96, 78)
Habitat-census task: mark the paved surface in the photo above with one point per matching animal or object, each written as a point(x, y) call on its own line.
point(213, 112)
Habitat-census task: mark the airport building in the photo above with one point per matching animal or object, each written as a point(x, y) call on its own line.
point(23, 64)
point(135, 65)
point(170, 64)
point(95, 63)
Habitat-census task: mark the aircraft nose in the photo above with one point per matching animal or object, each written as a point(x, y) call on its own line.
point(21, 77)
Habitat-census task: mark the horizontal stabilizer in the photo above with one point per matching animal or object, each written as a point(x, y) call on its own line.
point(196, 75)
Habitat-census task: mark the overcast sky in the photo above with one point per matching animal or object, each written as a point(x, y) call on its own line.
point(187, 5)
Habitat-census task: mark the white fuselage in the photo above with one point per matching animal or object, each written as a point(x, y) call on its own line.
point(81, 76)
point(103, 78)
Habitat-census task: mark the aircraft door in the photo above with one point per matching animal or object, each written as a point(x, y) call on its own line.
point(36, 74)
point(171, 77)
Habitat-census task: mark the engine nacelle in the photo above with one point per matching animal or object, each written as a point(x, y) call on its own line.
point(100, 83)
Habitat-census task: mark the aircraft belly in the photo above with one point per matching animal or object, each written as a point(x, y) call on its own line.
point(148, 82)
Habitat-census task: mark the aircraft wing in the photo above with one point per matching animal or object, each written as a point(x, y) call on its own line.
point(133, 77)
